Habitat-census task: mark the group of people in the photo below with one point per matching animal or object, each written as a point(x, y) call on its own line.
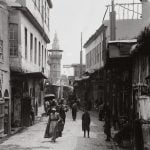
point(56, 121)
point(57, 116)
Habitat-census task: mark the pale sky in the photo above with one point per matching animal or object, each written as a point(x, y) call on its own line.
point(71, 17)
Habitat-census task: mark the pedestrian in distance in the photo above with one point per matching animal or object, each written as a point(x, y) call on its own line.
point(86, 123)
point(46, 106)
point(101, 115)
point(74, 111)
point(107, 126)
point(62, 111)
point(32, 114)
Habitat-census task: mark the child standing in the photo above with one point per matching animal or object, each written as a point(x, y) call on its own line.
point(86, 123)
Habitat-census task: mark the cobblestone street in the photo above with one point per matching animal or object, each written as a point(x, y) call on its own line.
point(32, 138)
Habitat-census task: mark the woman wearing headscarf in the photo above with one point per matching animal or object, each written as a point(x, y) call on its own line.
point(52, 126)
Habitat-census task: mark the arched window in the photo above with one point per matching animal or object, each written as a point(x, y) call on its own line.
point(1, 98)
point(6, 94)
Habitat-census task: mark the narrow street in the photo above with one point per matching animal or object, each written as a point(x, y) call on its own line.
point(32, 138)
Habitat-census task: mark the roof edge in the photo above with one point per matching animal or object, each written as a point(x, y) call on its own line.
point(95, 35)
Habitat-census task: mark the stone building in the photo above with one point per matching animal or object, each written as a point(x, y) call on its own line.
point(29, 33)
point(94, 49)
point(5, 95)
point(116, 25)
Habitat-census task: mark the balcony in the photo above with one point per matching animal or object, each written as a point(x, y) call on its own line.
point(125, 11)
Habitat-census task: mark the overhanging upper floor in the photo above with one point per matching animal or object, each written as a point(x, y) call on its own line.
point(35, 23)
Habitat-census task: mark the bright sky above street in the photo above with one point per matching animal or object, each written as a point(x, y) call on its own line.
point(71, 17)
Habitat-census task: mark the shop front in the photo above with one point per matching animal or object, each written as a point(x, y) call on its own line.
point(27, 92)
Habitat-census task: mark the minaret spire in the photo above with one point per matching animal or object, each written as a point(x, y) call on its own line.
point(55, 45)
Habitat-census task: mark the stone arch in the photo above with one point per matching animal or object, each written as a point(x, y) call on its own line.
point(6, 94)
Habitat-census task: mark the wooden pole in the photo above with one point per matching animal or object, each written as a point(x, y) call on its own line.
point(81, 57)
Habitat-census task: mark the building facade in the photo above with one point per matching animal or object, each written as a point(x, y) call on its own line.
point(126, 78)
point(5, 92)
point(117, 27)
point(94, 48)
point(29, 33)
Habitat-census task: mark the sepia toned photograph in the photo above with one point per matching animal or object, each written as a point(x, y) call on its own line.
point(74, 74)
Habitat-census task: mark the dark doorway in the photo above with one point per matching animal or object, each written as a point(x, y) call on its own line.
point(25, 111)
point(6, 112)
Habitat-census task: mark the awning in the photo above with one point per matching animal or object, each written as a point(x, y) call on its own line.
point(123, 41)
point(90, 71)
point(30, 75)
point(82, 78)
point(120, 48)
point(36, 75)
point(85, 77)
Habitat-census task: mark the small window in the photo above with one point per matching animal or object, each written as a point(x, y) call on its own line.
point(42, 54)
point(39, 53)
point(35, 49)
point(26, 43)
point(45, 57)
point(31, 46)
point(1, 98)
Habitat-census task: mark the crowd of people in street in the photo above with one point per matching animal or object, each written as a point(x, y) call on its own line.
point(56, 111)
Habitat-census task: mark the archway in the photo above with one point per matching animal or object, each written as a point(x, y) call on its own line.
point(1, 112)
point(6, 94)
point(6, 112)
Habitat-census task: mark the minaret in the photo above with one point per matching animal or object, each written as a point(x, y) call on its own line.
point(55, 56)
point(55, 45)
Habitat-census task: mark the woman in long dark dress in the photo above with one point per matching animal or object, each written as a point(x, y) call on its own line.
point(74, 111)
point(52, 126)
point(86, 123)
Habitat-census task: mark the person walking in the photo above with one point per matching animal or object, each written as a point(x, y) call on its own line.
point(101, 115)
point(107, 126)
point(32, 114)
point(62, 111)
point(52, 126)
point(86, 123)
point(74, 111)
